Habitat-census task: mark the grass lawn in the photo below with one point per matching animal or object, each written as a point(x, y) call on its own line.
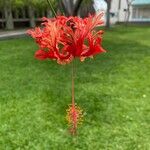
point(113, 90)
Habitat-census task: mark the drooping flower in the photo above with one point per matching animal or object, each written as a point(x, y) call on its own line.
point(65, 38)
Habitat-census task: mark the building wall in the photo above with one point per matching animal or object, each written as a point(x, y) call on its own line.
point(138, 13)
point(118, 8)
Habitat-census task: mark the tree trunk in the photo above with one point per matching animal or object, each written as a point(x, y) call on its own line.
point(8, 16)
point(88, 9)
point(23, 13)
point(108, 14)
point(49, 13)
point(70, 7)
point(128, 12)
point(119, 6)
point(16, 14)
point(31, 16)
point(65, 8)
point(77, 7)
point(3, 18)
point(43, 13)
point(128, 15)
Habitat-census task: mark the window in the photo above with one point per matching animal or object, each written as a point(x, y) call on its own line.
point(141, 12)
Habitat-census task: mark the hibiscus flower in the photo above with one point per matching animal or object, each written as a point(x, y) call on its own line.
point(66, 38)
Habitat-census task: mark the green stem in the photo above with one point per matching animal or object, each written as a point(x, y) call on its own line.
point(50, 4)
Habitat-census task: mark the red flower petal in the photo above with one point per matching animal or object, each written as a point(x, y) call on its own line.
point(41, 55)
point(65, 38)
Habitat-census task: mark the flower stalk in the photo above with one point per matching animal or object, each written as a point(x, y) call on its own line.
point(51, 6)
point(74, 113)
point(73, 97)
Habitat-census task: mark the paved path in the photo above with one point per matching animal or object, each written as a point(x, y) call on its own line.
point(12, 34)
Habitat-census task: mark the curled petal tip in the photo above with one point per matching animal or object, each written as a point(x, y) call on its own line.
point(41, 55)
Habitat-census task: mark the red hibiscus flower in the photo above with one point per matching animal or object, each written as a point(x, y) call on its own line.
point(65, 38)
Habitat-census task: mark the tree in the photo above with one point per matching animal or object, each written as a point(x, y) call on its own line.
point(128, 12)
point(6, 6)
point(108, 13)
point(33, 6)
point(87, 8)
point(67, 7)
point(70, 7)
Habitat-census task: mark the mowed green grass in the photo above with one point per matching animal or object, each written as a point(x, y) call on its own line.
point(113, 89)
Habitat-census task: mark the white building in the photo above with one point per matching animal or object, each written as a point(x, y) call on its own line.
point(119, 11)
point(139, 10)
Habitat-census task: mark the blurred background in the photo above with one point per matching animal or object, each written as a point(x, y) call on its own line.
point(28, 13)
